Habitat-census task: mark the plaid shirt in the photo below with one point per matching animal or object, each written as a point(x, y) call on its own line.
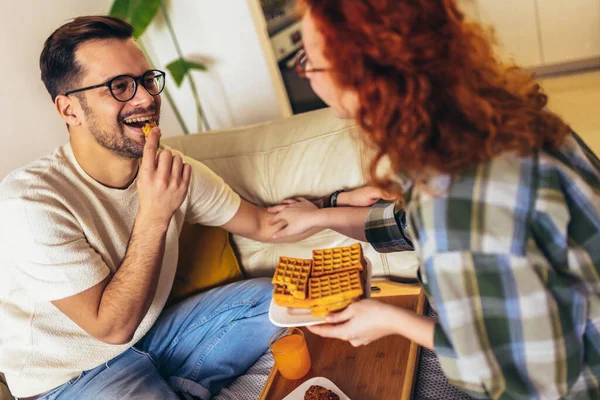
point(510, 259)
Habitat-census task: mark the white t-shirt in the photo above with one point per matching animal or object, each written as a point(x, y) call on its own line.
point(62, 233)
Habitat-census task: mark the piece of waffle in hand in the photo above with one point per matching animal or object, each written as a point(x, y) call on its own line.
point(333, 292)
point(338, 259)
point(148, 127)
point(293, 273)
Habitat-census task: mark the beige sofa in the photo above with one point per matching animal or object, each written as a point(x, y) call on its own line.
point(310, 155)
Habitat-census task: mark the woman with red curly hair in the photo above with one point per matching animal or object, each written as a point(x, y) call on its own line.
point(502, 204)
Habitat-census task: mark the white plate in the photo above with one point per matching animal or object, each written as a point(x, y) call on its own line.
point(289, 317)
point(298, 394)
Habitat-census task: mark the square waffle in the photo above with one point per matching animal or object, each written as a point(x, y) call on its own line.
point(337, 259)
point(328, 282)
point(284, 298)
point(293, 273)
point(333, 292)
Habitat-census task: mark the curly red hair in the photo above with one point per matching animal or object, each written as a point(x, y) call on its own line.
point(433, 95)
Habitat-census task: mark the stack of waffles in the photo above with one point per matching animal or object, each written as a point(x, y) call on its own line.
point(331, 280)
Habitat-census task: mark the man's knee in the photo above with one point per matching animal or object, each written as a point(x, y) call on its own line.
point(261, 283)
point(261, 289)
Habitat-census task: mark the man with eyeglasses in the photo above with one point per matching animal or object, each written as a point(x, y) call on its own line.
point(88, 247)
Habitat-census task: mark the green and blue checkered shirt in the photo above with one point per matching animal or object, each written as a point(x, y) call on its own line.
point(510, 260)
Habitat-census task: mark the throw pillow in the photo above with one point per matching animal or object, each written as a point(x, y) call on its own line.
point(206, 260)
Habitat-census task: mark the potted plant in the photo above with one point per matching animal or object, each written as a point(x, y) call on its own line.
point(140, 13)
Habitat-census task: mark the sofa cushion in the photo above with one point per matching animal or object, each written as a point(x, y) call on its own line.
point(206, 260)
point(311, 155)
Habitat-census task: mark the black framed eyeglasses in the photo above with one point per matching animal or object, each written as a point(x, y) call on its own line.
point(302, 63)
point(124, 87)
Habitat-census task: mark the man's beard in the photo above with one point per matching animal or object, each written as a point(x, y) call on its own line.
point(114, 138)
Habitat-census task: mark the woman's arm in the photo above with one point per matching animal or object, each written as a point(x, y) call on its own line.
point(368, 320)
point(301, 217)
point(383, 224)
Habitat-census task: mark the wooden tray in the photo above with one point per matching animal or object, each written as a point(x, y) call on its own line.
point(384, 369)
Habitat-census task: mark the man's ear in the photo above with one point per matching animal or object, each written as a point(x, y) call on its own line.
point(69, 109)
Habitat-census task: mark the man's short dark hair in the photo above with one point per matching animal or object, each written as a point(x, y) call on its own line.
point(60, 69)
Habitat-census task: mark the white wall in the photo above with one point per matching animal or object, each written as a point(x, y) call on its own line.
point(236, 91)
point(30, 126)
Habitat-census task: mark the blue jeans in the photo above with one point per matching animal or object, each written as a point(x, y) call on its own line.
point(195, 347)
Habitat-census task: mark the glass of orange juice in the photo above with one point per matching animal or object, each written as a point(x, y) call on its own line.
point(290, 353)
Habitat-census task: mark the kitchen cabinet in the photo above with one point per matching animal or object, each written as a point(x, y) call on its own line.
point(558, 34)
point(570, 30)
point(515, 26)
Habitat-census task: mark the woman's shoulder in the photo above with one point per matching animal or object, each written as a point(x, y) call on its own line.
point(494, 181)
point(481, 210)
point(490, 207)
point(573, 163)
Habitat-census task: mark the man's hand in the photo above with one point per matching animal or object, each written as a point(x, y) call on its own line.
point(112, 310)
point(364, 197)
point(299, 215)
point(162, 183)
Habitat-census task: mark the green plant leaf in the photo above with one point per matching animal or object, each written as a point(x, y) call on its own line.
point(139, 13)
point(142, 13)
point(179, 69)
point(120, 9)
point(195, 65)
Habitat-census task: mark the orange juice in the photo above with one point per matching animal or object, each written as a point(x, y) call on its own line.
point(291, 356)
